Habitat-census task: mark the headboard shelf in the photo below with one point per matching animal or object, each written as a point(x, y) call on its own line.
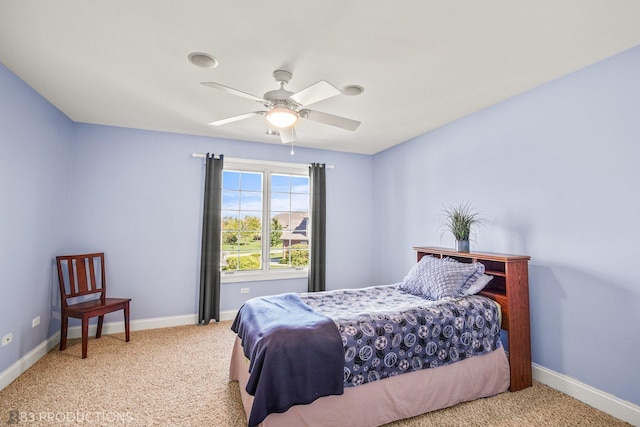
point(509, 288)
point(495, 273)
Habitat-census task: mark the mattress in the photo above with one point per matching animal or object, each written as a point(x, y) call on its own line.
point(395, 398)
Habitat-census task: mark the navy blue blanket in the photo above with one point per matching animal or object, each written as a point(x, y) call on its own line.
point(296, 354)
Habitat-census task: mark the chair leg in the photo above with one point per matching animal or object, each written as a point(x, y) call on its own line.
point(63, 331)
point(99, 330)
point(126, 321)
point(85, 336)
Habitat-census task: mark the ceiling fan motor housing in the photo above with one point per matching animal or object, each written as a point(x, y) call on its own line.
point(280, 98)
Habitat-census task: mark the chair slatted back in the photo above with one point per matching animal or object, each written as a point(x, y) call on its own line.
point(77, 276)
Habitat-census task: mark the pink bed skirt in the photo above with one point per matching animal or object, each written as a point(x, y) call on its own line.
point(395, 398)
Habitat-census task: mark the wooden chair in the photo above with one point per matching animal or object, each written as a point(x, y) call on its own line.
point(78, 283)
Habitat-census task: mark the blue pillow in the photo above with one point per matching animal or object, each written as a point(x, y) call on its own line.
point(478, 285)
point(435, 278)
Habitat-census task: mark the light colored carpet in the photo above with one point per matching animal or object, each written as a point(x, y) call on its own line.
point(179, 377)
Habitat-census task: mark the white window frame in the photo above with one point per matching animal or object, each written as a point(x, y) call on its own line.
point(267, 168)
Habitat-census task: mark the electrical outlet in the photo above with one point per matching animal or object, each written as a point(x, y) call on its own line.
point(244, 290)
point(7, 339)
point(35, 322)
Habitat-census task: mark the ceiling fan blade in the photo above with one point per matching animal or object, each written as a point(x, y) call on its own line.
point(315, 93)
point(233, 91)
point(287, 135)
point(330, 119)
point(236, 118)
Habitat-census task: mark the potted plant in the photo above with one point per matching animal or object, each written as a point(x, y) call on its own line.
point(460, 219)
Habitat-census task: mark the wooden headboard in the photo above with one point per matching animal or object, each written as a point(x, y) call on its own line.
point(509, 288)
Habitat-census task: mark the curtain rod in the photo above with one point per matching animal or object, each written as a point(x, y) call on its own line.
point(204, 156)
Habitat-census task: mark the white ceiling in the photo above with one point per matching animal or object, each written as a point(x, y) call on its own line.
point(423, 63)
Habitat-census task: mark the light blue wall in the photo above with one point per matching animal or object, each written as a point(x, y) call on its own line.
point(555, 173)
point(35, 148)
point(137, 195)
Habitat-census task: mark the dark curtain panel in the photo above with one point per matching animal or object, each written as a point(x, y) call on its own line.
point(318, 249)
point(210, 255)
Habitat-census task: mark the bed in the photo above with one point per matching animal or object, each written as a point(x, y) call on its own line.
point(376, 354)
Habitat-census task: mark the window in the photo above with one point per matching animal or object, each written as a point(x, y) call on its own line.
point(265, 220)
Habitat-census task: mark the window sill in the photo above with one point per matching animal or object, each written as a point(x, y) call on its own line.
point(260, 276)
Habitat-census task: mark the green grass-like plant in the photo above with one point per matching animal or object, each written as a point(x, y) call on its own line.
point(460, 219)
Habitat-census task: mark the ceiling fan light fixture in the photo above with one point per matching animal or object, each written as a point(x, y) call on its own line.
point(282, 117)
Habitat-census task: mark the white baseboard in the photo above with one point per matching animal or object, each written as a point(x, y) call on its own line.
point(143, 324)
point(137, 325)
point(14, 371)
point(228, 315)
point(621, 409)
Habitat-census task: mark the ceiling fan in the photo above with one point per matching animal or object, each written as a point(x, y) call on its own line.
point(284, 108)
